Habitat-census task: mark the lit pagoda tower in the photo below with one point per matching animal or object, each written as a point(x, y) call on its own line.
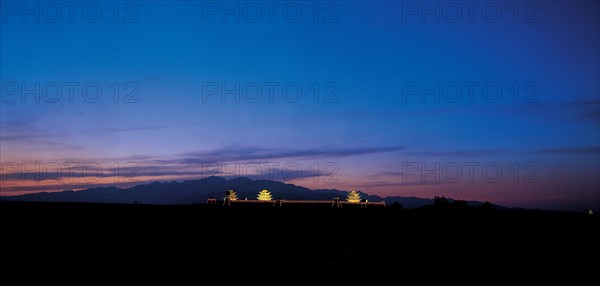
point(264, 195)
point(353, 197)
point(231, 195)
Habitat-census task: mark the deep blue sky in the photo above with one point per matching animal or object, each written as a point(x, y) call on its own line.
point(370, 50)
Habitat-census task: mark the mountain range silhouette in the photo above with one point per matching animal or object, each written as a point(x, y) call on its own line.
point(198, 191)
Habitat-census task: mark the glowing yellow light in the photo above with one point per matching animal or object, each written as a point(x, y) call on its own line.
point(231, 195)
point(353, 197)
point(264, 195)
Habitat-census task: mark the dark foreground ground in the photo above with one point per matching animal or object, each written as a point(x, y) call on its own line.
point(286, 245)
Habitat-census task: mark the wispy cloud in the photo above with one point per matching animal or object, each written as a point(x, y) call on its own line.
point(467, 153)
point(26, 133)
point(194, 165)
point(593, 103)
point(241, 153)
point(575, 150)
point(461, 153)
point(575, 110)
point(127, 129)
point(384, 183)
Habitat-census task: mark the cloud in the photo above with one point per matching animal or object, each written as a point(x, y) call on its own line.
point(498, 151)
point(241, 161)
point(593, 102)
point(68, 171)
point(575, 150)
point(574, 110)
point(127, 129)
point(577, 109)
point(24, 137)
point(240, 153)
point(461, 153)
point(591, 112)
point(592, 115)
point(25, 133)
point(378, 184)
point(194, 165)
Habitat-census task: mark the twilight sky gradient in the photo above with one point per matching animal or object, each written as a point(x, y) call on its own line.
point(374, 133)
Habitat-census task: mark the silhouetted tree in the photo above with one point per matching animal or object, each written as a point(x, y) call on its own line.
point(440, 201)
point(397, 205)
point(486, 206)
point(460, 204)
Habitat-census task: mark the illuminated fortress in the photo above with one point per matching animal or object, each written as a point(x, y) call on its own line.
point(264, 197)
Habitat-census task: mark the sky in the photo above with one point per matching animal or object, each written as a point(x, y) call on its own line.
point(493, 101)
